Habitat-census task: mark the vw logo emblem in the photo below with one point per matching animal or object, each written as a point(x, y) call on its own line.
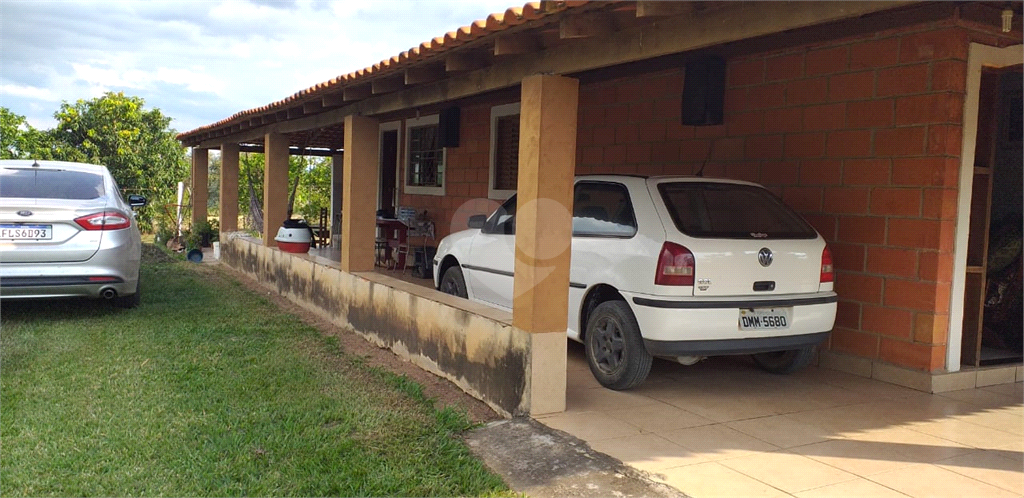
point(765, 257)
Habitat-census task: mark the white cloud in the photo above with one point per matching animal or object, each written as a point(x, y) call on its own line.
point(36, 93)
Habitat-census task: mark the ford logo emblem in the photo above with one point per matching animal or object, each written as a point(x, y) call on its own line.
point(765, 257)
point(25, 213)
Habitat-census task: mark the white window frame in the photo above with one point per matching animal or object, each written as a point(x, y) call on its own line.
point(498, 111)
point(420, 190)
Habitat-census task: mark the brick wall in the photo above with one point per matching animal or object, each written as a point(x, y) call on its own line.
point(862, 136)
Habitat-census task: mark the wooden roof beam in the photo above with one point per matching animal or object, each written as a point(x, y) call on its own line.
point(516, 44)
point(586, 25)
point(662, 9)
point(387, 85)
point(424, 74)
point(313, 106)
point(455, 63)
point(295, 112)
point(357, 92)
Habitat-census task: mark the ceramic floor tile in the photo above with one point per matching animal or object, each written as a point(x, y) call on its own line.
point(783, 431)
point(931, 481)
point(907, 445)
point(589, 426)
point(968, 434)
point(659, 418)
point(862, 458)
point(717, 442)
point(1014, 391)
point(1008, 419)
point(789, 472)
point(601, 399)
point(712, 480)
point(648, 452)
point(990, 467)
point(724, 409)
point(859, 488)
point(983, 397)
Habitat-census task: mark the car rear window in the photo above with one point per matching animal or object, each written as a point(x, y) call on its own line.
point(35, 183)
point(733, 211)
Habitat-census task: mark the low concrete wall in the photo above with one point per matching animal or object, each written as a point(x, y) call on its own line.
point(474, 346)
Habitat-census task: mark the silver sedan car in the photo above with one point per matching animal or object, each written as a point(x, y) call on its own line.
point(66, 231)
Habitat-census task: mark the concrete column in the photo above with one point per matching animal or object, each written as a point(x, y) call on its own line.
point(275, 186)
point(200, 184)
point(547, 164)
point(229, 187)
point(337, 180)
point(359, 194)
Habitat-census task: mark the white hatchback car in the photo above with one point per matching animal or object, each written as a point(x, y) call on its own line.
point(675, 267)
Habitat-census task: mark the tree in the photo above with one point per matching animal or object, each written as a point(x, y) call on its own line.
point(313, 175)
point(18, 140)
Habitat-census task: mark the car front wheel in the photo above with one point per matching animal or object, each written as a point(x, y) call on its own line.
point(785, 362)
point(452, 282)
point(615, 349)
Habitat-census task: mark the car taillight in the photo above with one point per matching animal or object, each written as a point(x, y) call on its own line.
point(827, 275)
point(675, 265)
point(107, 220)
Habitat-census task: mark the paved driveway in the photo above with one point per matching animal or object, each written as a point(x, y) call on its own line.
point(725, 428)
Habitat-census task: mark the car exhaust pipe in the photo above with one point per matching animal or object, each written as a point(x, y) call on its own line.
point(108, 293)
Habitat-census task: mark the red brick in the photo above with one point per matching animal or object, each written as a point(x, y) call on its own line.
point(827, 61)
point(849, 143)
point(931, 328)
point(615, 154)
point(638, 153)
point(650, 169)
point(903, 80)
point(591, 116)
point(911, 294)
point(627, 134)
point(875, 53)
point(747, 123)
point(950, 75)
point(862, 229)
point(747, 171)
point(776, 172)
point(919, 171)
point(896, 202)
point(604, 135)
point(846, 200)
point(763, 147)
point(665, 152)
point(694, 150)
point(743, 73)
point(640, 112)
point(848, 257)
point(629, 90)
point(947, 235)
point(913, 355)
point(824, 117)
point(914, 233)
point(889, 261)
point(870, 113)
point(710, 131)
point(668, 109)
point(803, 199)
point(934, 45)
point(735, 100)
point(784, 120)
point(857, 287)
point(785, 67)
point(652, 131)
point(945, 140)
point(825, 225)
point(767, 96)
point(804, 145)
point(940, 204)
point(616, 115)
point(853, 342)
point(907, 141)
point(848, 315)
point(676, 131)
point(936, 266)
point(851, 86)
point(591, 155)
point(866, 171)
point(888, 321)
point(933, 108)
point(730, 148)
point(823, 172)
point(809, 91)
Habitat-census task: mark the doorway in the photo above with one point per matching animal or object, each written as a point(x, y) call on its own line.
point(993, 331)
point(388, 170)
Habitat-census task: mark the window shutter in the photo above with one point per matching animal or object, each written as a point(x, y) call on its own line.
point(506, 153)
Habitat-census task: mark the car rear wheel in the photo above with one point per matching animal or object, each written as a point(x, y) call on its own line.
point(785, 362)
point(452, 282)
point(615, 349)
point(132, 300)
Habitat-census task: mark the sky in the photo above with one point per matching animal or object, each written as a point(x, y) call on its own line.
point(200, 61)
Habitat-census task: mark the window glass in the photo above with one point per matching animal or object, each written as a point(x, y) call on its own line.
point(503, 221)
point(37, 183)
point(426, 157)
point(602, 210)
point(724, 210)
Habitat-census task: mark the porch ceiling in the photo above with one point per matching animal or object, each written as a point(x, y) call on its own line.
point(563, 37)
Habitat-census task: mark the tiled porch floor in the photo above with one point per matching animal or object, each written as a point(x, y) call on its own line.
point(724, 428)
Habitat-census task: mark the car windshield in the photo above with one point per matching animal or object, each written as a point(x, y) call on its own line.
point(36, 183)
point(728, 210)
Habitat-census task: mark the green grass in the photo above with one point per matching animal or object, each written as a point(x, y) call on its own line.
point(208, 389)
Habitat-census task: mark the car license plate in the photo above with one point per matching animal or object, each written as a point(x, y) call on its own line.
point(26, 232)
point(764, 318)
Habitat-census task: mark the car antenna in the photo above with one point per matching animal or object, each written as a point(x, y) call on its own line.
point(700, 172)
point(35, 163)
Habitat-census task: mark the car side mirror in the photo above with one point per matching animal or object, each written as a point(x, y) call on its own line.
point(477, 221)
point(136, 201)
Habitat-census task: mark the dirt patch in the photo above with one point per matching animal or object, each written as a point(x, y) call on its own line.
point(443, 392)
